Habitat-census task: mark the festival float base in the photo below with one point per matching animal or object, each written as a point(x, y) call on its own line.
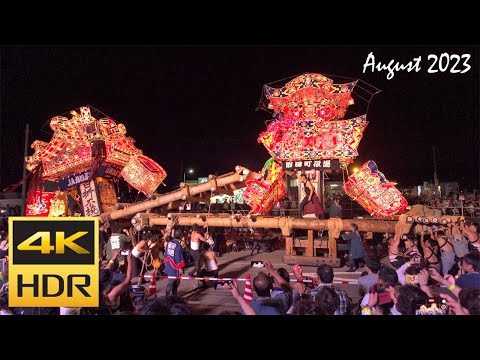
point(287, 225)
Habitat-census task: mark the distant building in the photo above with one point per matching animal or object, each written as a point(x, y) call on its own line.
point(427, 189)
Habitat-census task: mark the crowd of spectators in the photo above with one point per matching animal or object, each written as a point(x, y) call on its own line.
point(451, 204)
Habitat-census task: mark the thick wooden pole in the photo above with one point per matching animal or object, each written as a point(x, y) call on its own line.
point(310, 246)
point(285, 223)
point(240, 175)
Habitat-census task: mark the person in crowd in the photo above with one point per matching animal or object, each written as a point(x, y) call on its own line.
point(263, 304)
point(366, 282)
point(395, 257)
point(166, 305)
point(308, 307)
point(174, 262)
point(113, 291)
point(208, 264)
point(470, 230)
point(410, 245)
point(446, 249)
point(430, 252)
point(118, 240)
point(303, 288)
point(335, 210)
point(407, 299)
point(459, 242)
point(378, 300)
point(447, 281)
point(357, 251)
point(246, 307)
point(281, 289)
point(325, 277)
point(195, 239)
point(468, 302)
point(328, 300)
point(470, 269)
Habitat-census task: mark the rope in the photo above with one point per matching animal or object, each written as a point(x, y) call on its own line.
point(339, 281)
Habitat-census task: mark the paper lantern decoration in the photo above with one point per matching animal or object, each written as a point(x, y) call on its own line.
point(143, 174)
point(310, 96)
point(308, 125)
point(106, 193)
point(265, 189)
point(75, 143)
point(374, 192)
point(298, 140)
point(39, 204)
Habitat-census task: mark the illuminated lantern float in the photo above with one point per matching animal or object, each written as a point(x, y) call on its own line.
point(266, 188)
point(374, 192)
point(308, 125)
point(85, 158)
point(309, 132)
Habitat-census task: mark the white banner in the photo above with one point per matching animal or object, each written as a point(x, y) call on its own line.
point(88, 194)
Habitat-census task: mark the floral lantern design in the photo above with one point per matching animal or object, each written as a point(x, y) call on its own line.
point(266, 188)
point(308, 121)
point(143, 174)
point(374, 192)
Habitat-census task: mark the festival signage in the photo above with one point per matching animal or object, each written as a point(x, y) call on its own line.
point(90, 203)
point(333, 164)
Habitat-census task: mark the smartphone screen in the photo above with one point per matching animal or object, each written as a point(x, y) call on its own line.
point(223, 285)
point(434, 306)
point(258, 263)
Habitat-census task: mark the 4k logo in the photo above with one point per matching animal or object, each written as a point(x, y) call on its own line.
point(53, 262)
point(60, 241)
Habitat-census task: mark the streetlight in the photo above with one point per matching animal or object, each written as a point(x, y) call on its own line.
point(190, 171)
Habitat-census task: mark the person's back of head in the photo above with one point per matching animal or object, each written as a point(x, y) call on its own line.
point(114, 227)
point(373, 265)
point(388, 276)
point(205, 246)
point(284, 274)
point(472, 259)
point(262, 284)
point(308, 307)
point(328, 300)
point(408, 298)
point(178, 233)
point(470, 300)
point(354, 226)
point(195, 227)
point(166, 305)
point(325, 273)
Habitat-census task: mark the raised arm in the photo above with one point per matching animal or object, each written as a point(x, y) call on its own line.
point(280, 280)
point(117, 290)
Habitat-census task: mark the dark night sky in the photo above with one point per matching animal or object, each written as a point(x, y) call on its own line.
point(197, 103)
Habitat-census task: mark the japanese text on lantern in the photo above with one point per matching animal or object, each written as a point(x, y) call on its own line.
point(91, 207)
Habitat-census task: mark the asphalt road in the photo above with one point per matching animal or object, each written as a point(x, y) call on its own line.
point(237, 265)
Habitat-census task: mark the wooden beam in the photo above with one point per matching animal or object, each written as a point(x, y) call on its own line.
point(240, 175)
point(310, 251)
point(288, 245)
point(332, 246)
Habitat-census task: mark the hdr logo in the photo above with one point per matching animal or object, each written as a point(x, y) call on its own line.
point(53, 262)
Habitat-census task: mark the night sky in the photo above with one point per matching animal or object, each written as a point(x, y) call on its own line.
point(196, 104)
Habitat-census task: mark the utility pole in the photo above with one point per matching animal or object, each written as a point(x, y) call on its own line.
point(435, 177)
point(24, 185)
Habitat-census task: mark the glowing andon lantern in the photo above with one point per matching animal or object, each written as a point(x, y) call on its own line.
point(143, 174)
